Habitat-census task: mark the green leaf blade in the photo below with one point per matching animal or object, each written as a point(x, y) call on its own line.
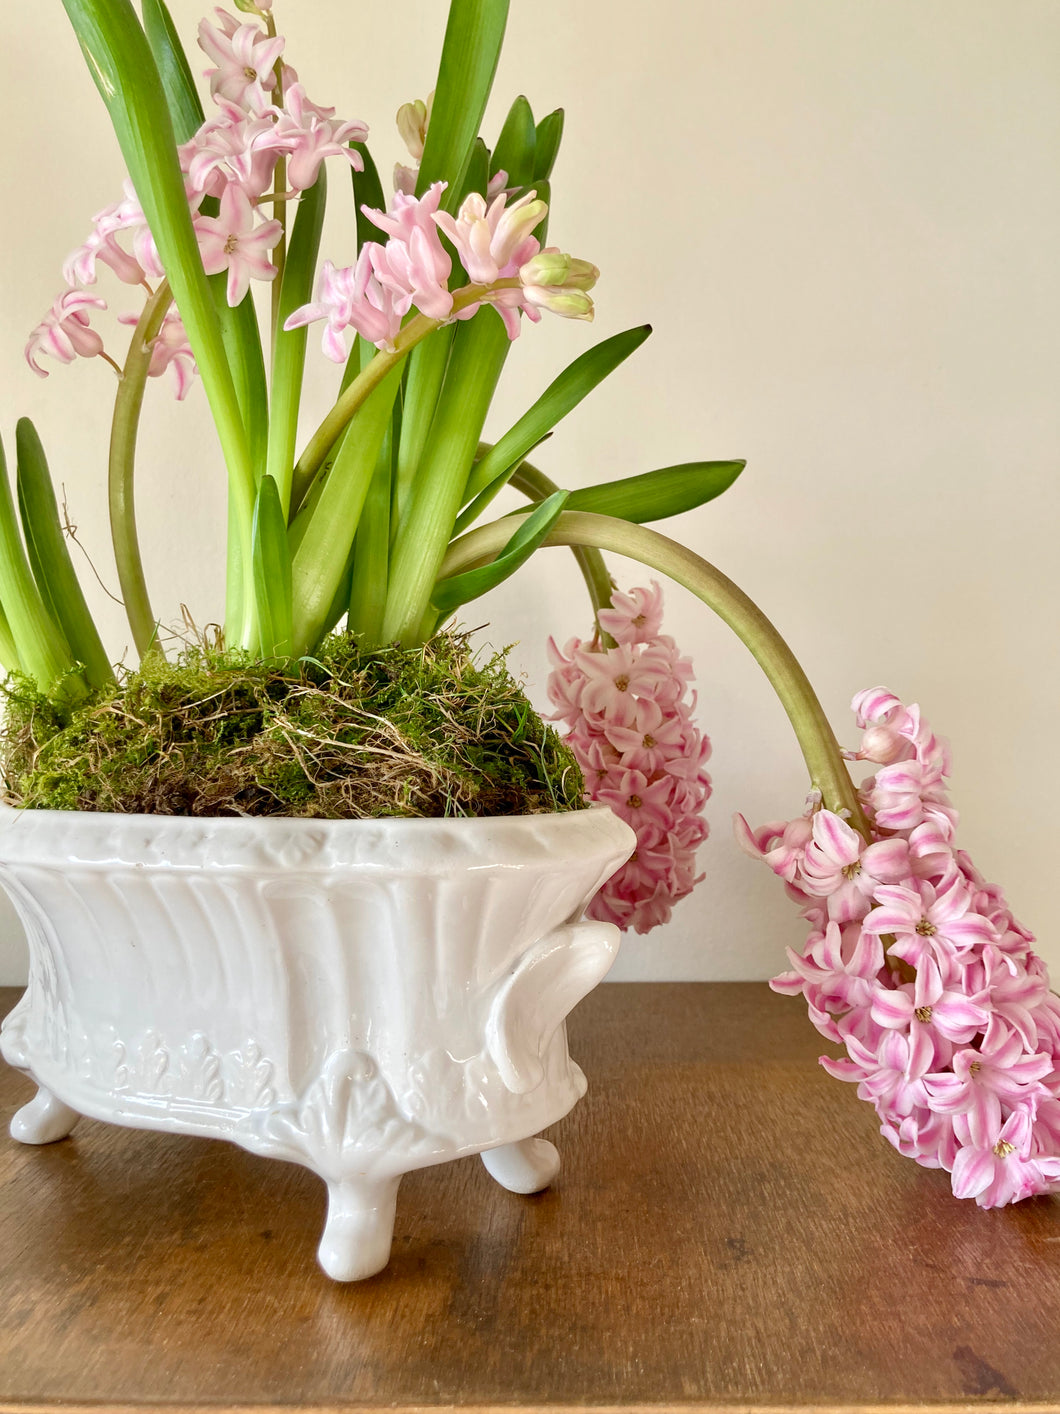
point(562, 395)
point(289, 351)
point(42, 650)
point(272, 571)
point(324, 532)
point(185, 107)
point(546, 145)
point(516, 146)
point(450, 593)
point(470, 51)
point(656, 495)
point(49, 557)
point(367, 191)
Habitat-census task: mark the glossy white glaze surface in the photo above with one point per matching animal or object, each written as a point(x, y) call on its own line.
point(360, 997)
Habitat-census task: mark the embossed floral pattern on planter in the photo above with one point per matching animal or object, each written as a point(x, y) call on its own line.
point(361, 997)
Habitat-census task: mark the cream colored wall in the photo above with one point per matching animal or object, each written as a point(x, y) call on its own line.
point(842, 218)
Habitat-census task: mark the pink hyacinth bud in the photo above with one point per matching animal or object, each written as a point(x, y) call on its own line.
point(884, 745)
point(64, 332)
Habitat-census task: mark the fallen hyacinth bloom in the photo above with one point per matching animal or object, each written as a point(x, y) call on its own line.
point(915, 963)
point(630, 726)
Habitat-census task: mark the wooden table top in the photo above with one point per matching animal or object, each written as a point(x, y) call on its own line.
point(729, 1232)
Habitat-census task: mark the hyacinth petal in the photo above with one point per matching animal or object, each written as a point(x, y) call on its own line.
point(970, 931)
point(886, 920)
point(973, 1172)
point(788, 984)
point(836, 837)
point(887, 860)
point(842, 1069)
point(891, 1008)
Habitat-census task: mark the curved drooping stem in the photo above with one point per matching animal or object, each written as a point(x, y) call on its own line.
point(121, 466)
point(820, 749)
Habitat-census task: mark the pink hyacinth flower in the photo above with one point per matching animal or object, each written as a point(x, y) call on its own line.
point(956, 1040)
point(244, 56)
point(838, 866)
point(492, 241)
point(413, 263)
point(234, 240)
point(633, 696)
point(308, 137)
point(929, 922)
point(170, 349)
point(64, 332)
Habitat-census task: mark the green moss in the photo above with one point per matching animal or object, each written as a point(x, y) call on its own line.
point(344, 735)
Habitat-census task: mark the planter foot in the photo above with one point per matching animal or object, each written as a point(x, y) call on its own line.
point(525, 1167)
point(44, 1120)
point(359, 1228)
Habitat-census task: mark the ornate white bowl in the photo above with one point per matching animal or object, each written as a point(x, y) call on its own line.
point(362, 997)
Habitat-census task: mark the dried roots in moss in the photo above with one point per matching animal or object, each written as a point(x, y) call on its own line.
point(344, 735)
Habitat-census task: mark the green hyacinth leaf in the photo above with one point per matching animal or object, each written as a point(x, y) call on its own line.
point(49, 557)
point(655, 495)
point(459, 589)
point(185, 107)
point(472, 46)
point(563, 394)
point(272, 571)
point(367, 191)
point(39, 643)
point(546, 147)
point(289, 351)
point(123, 67)
point(515, 149)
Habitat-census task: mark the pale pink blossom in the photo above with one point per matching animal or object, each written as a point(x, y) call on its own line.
point(170, 349)
point(631, 731)
point(782, 845)
point(979, 1079)
point(906, 794)
point(351, 298)
point(1004, 1171)
point(64, 332)
point(233, 147)
point(125, 217)
point(236, 241)
point(927, 1002)
point(308, 137)
point(413, 263)
point(838, 866)
point(929, 922)
point(245, 57)
point(635, 617)
point(493, 241)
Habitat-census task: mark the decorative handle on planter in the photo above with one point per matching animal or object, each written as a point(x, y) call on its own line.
point(548, 983)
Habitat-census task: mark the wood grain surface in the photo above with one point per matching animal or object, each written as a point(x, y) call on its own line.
point(729, 1232)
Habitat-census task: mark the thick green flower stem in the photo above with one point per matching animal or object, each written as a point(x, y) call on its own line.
point(820, 749)
point(123, 431)
point(329, 431)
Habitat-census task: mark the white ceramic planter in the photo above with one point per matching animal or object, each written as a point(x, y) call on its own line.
point(361, 997)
